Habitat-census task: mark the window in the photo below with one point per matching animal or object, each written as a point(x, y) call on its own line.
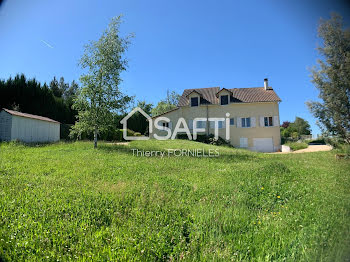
point(194, 101)
point(190, 124)
point(243, 142)
point(268, 121)
point(200, 124)
point(221, 124)
point(224, 100)
point(232, 121)
point(246, 122)
point(165, 124)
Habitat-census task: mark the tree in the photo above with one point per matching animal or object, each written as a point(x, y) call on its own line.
point(54, 86)
point(301, 126)
point(169, 103)
point(63, 87)
point(137, 122)
point(285, 124)
point(295, 129)
point(15, 93)
point(71, 92)
point(145, 107)
point(100, 97)
point(332, 79)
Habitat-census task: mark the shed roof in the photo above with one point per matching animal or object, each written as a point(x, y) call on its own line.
point(42, 118)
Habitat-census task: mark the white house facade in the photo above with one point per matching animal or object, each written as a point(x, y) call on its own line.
point(254, 115)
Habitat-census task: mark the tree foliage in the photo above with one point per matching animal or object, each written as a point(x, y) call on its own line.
point(100, 96)
point(295, 129)
point(285, 124)
point(29, 96)
point(137, 122)
point(332, 79)
point(169, 103)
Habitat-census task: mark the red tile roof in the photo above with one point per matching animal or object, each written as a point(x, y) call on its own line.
point(239, 95)
point(16, 113)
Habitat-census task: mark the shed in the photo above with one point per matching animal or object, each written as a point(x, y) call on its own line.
point(27, 128)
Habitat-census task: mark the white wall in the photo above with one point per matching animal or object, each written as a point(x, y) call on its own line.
point(5, 126)
point(33, 130)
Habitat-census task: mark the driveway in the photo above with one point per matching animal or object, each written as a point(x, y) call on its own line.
point(311, 148)
point(314, 148)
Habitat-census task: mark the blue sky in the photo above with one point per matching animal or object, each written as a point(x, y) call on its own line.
point(178, 44)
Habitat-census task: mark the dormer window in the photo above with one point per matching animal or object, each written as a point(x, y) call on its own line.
point(224, 100)
point(194, 101)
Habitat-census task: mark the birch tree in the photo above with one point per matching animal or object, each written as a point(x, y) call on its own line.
point(100, 96)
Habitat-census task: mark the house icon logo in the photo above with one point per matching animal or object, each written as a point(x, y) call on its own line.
point(125, 124)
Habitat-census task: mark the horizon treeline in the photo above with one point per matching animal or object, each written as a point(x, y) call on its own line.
point(30, 96)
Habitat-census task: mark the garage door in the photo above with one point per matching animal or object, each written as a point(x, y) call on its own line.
point(263, 144)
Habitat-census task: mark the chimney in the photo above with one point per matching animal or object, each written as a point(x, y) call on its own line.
point(266, 84)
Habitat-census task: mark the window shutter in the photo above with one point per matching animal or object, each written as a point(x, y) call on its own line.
point(211, 124)
point(262, 121)
point(190, 124)
point(276, 121)
point(170, 125)
point(253, 122)
point(239, 122)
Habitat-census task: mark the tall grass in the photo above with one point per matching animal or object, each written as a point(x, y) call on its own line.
point(71, 202)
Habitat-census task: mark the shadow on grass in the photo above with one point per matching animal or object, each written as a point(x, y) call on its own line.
point(33, 144)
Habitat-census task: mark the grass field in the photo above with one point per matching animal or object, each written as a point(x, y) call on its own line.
point(71, 202)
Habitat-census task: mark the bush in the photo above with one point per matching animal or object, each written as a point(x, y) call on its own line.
point(207, 139)
point(334, 141)
point(118, 135)
point(317, 142)
point(64, 131)
point(297, 146)
point(112, 134)
point(344, 150)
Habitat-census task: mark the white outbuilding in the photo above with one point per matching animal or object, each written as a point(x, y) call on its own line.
point(27, 128)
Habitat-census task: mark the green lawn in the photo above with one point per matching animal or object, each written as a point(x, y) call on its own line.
point(69, 201)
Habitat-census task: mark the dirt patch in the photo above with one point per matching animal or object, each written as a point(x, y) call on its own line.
point(314, 148)
point(311, 148)
point(120, 143)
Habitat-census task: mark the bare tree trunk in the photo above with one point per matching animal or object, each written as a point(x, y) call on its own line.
point(95, 137)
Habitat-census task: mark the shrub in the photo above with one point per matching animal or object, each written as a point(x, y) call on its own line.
point(64, 131)
point(112, 134)
point(207, 139)
point(296, 145)
point(334, 141)
point(345, 150)
point(317, 142)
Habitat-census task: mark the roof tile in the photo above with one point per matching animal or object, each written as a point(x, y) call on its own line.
point(239, 95)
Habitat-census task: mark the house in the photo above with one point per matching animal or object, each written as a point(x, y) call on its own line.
point(254, 115)
point(27, 128)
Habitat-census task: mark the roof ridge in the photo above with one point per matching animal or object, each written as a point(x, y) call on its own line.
point(243, 94)
point(32, 116)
